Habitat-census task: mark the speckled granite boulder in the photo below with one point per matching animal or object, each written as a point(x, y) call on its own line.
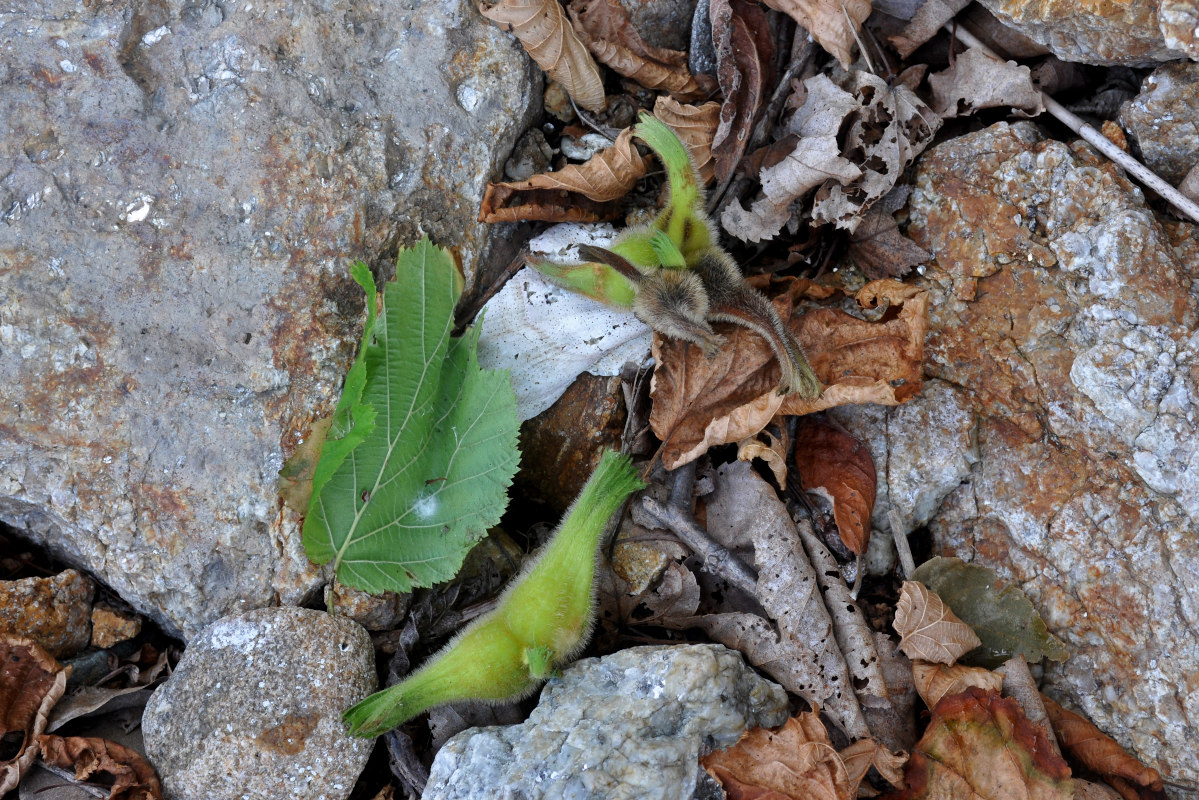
point(629, 726)
point(183, 186)
point(253, 711)
point(1163, 120)
point(1066, 316)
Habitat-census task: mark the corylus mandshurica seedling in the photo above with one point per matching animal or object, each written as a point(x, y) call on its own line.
point(676, 277)
point(544, 618)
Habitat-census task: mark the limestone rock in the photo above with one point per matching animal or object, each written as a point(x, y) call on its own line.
point(1091, 31)
point(1179, 23)
point(184, 186)
point(253, 711)
point(55, 612)
point(1163, 120)
point(629, 725)
point(1079, 352)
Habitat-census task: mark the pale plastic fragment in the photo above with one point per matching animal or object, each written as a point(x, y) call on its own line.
point(546, 336)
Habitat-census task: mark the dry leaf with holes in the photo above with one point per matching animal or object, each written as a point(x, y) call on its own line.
point(834, 24)
point(979, 745)
point(745, 70)
point(935, 681)
point(928, 629)
point(701, 402)
point(608, 31)
point(832, 463)
point(99, 761)
point(695, 127)
point(977, 80)
point(1100, 753)
point(31, 682)
point(796, 762)
point(542, 27)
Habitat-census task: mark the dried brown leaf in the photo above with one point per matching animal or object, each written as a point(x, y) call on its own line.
point(863, 754)
point(928, 629)
point(1099, 752)
point(829, 460)
point(880, 250)
point(100, 761)
point(935, 681)
point(700, 402)
point(834, 24)
point(503, 204)
point(769, 448)
point(979, 746)
point(977, 80)
point(796, 644)
point(31, 682)
point(608, 175)
point(696, 127)
point(608, 31)
point(925, 24)
point(745, 70)
point(796, 762)
point(542, 27)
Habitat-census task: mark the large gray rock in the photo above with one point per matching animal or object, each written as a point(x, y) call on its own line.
point(253, 711)
point(1066, 317)
point(182, 187)
point(629, 725)
point(1163, 120)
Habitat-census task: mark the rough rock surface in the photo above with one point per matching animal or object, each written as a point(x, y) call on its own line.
point(253, 711)
point(1091, 31)
point(1079, 352)
point(1179, 22)
point(55, 612)
point(629, 725)
point(1163, 120)
point(182, 187)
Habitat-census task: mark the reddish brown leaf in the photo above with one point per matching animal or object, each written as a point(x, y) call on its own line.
point(695, 126)
point(834, 24)
point(744, 68)
point(796, 762)
point(700, 402)
point(980, 745)
point(31, 682)
point(129, 776)
point(831, 462)
point(608, 31)
point(542, 27)
point(1100, 753)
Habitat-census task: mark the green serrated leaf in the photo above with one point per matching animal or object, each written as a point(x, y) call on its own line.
point(1004, 619)
point(403, 507)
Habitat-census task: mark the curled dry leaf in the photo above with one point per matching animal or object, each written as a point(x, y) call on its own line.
point(830, 461)
point(607, 176)
point(701, 402)
point(928, 629)
point(935, 681)
point(503, 204)
point(31, 682)
point(863, 754)
point(608, 31)
point(542, 27)
point(129, 776)
point(978, 745)
point(977, 80)
point(1098, 752)
point(834, 24)
point(696, 127)
point(769, 448)
point(928, 20)
point(796, 762)
point(880, 250)
point(745, 70)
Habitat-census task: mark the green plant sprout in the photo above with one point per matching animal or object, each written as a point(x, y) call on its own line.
point(676, 278)
point(544, 618)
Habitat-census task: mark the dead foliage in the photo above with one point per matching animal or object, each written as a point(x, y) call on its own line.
point(31, 682)
point(125, 774)
point(832, 463)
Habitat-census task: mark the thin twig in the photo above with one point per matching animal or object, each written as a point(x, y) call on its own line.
point(1180, 201)
point(603, 130)
point(906, 562)
point(715, 557)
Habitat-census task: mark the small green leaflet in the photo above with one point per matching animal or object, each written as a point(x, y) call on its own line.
point(423, 444)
